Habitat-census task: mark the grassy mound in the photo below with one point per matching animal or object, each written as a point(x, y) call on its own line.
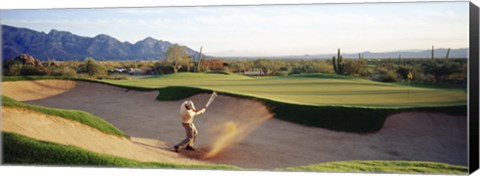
point(348, 119)
point(79, 116)
point(19, 149)
point(310, 89)
point(378, 166)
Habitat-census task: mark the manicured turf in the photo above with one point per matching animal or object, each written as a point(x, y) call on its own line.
point(340, 103)
point(379, 166)
point(80, 116)
point(19, 149)
point(311, 89)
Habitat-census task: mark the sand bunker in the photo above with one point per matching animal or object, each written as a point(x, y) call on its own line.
point(34, 90)
point(240, 132)
point(55, 129)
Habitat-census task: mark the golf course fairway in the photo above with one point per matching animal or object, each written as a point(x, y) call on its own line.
point(311, 89)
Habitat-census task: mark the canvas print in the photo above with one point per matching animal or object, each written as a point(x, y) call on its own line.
point(368, 87)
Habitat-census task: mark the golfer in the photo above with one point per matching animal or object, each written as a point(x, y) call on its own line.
point(187, 113)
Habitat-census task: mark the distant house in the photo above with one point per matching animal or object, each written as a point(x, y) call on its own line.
point(136, 71)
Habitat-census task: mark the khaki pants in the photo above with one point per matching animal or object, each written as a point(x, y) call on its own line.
point(191, 135)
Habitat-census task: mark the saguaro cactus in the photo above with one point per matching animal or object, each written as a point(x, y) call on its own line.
point(433, 56)
point(334, 64)
point(338, 63)
point(199, 60)
point(448, 53)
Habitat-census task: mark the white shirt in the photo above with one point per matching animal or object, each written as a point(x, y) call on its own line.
point(187, 115)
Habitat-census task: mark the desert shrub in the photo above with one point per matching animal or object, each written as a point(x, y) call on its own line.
point(33, 70)
point(268, 66)
point(383, 74)
point(93, 69)
point(14, 69)
point(357, 68)
point(162, 68)
point(297, 70)
point(444, 70)
point(318, 67)
point(64, 71)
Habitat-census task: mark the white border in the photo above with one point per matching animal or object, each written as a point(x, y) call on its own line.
point(49, 4)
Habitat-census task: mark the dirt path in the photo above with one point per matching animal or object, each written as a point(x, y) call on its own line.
point(259, 141)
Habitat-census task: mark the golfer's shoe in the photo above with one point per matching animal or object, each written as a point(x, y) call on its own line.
point(176, 148)
point(189, 148)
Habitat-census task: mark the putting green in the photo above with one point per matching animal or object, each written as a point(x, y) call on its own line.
point(319, 90)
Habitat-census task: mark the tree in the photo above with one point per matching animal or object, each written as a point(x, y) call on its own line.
point(177, 57)
point(268, 66)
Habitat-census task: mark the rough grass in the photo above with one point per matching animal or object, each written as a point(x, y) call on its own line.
point(378, 166)
point(19, 149)
point(80, 116)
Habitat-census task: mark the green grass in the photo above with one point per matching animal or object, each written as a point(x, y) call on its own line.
point(23, 78)
point(321, 75)
point(349, 119)
point(310, 89)
point(340, 103)
point(79, 116)
point(30, 78)
point(339, 118)
point(462, 87)
point(19, 149)
point(378, 166)
point(334, 102)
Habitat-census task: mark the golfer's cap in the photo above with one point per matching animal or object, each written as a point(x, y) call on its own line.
point(190, 105)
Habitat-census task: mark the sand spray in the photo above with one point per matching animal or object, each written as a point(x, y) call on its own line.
point(238, 122)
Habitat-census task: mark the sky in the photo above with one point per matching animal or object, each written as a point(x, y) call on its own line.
point(267, 30)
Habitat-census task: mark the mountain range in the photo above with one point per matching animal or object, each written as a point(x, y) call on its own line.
point(438, 53)
point(62, 45)
point(405, 54)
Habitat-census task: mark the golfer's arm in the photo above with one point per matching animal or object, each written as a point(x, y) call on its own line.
point(201, 111)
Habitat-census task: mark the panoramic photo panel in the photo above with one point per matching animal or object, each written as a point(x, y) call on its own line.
point(369, 87)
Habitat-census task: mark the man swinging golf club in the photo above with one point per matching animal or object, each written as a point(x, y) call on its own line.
point(187, 113)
